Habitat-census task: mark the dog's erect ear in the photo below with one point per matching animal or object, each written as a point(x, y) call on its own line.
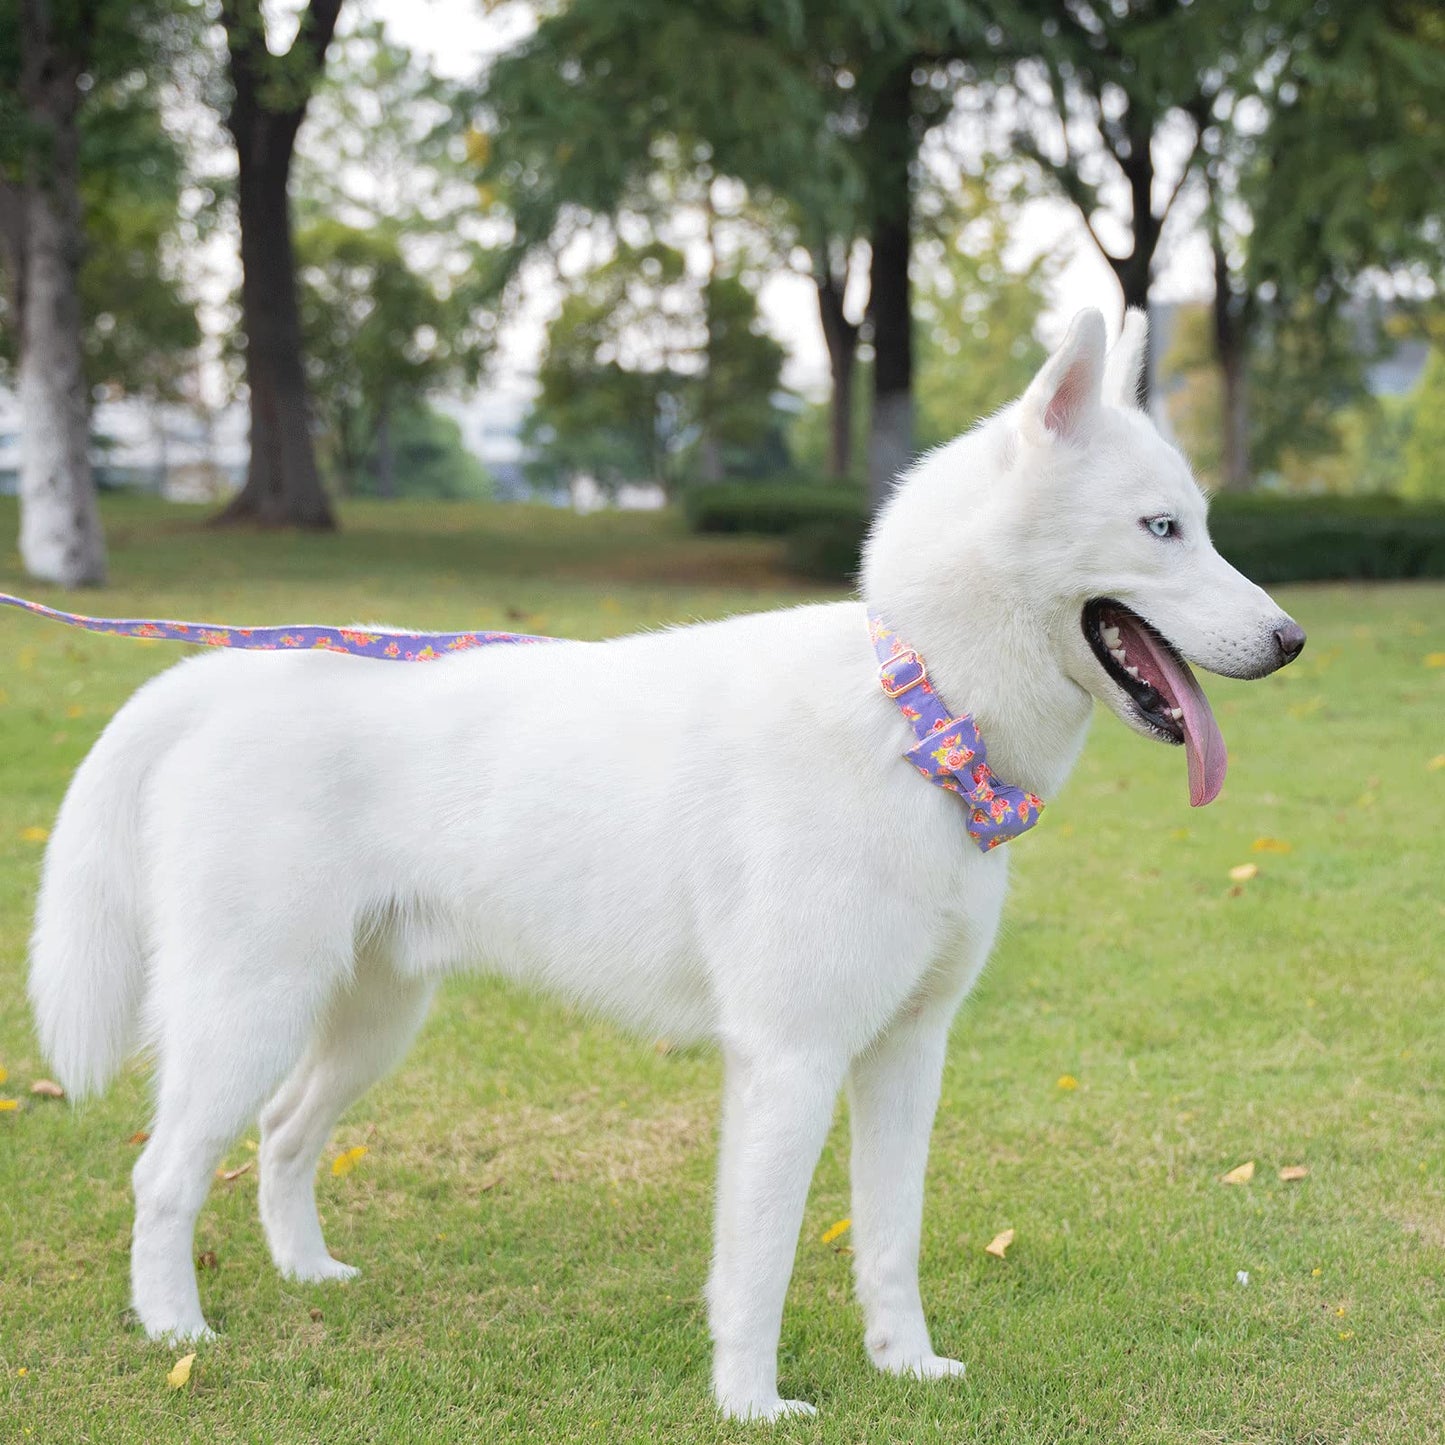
point(1124, 370)
point(1066, 394)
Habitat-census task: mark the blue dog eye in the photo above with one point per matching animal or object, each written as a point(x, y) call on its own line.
point(1160, 526)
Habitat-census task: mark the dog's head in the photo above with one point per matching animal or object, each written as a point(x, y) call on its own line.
point(1140, 590)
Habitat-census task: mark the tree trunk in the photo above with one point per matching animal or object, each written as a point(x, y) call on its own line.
point(890, 439)
point(1230, 314)
point(841, 337)
point(283, 486)
point(60, 533)
point(1137, 268)
point(709, 452)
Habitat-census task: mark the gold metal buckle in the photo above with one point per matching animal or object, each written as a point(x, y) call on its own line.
point(908, 654)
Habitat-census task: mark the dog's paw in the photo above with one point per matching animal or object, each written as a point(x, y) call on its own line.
point(922, 1367)
point(196, 1332)
point(314, 1271)
point(775, 1409)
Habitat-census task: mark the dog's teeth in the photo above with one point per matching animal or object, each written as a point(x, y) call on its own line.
point(1177, 714)
point(1132, 671)
point(1117, 653)
point(1111, 637)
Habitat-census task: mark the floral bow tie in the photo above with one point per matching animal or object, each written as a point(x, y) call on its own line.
point(949, 751)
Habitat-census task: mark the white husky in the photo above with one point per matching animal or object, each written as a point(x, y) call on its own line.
point(267, 863)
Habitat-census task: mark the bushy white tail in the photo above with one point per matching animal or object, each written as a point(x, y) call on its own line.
point(87, 957)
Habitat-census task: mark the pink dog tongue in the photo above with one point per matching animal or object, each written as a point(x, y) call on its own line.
point(1203, 742)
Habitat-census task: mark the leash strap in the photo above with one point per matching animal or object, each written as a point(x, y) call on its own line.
point(950, 751)
point(386, 645)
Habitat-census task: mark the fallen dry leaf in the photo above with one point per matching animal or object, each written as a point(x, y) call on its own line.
point(206, 1259)
point(237, 1172)
point(835, 1231)
point(315, 1316)
point(1291, 1172)
point(1271, 845)
point(998, 1245)
point(1243, 872)
point(345, 1162)
point(1241, 1174)
point(139, 1137)
point(34, 835)
point(47, 1089)
point(180, 1372)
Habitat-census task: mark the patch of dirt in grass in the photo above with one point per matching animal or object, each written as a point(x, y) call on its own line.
point(1426, 1228)
point(585, 1142)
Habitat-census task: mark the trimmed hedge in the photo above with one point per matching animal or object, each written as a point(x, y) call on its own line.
point(1274, 538)
point(772, 510)
point(1268, 536)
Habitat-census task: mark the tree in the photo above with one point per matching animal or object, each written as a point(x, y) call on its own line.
point(1103, 92)
point(1421, 478)
point(270, 93)
point(139, 328)
point(822, 105)
point(377, 335)
point(430, 460)
point(975, 319)
point(642, 361)
point(1354, 152)
point(44, 51)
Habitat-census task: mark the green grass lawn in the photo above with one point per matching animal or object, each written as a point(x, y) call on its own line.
point(532, 1214)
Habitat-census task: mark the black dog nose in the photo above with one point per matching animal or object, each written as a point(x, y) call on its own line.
point(1291, 639)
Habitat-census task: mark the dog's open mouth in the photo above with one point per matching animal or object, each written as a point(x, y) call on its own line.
point(1161, 688)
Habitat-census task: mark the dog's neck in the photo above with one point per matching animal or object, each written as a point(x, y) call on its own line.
point(967, 611)
point(1001, 672)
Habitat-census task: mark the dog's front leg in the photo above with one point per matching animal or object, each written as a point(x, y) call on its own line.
point(893, 1094)
point(776, 1110)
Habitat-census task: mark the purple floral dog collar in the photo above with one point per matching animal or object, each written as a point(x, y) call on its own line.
point(386, 645)
point(950, 752)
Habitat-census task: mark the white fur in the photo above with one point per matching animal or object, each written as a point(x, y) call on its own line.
point(268, 861)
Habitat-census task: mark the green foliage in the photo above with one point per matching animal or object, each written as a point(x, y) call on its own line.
point(1306, 372)
point(141, 331)
point(429, 461)
point(377, 335)
point(1357, 137)
point(141, 326)
point(974, 321)
point(641, 361)
point(1422, 455)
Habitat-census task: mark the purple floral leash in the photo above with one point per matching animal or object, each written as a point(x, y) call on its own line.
point(385, 645)
point(949, 753)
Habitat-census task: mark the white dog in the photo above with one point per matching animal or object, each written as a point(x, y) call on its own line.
point(267, 863)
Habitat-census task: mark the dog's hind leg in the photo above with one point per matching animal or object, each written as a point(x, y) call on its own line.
point(365, 1033)
point(223, 1045)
